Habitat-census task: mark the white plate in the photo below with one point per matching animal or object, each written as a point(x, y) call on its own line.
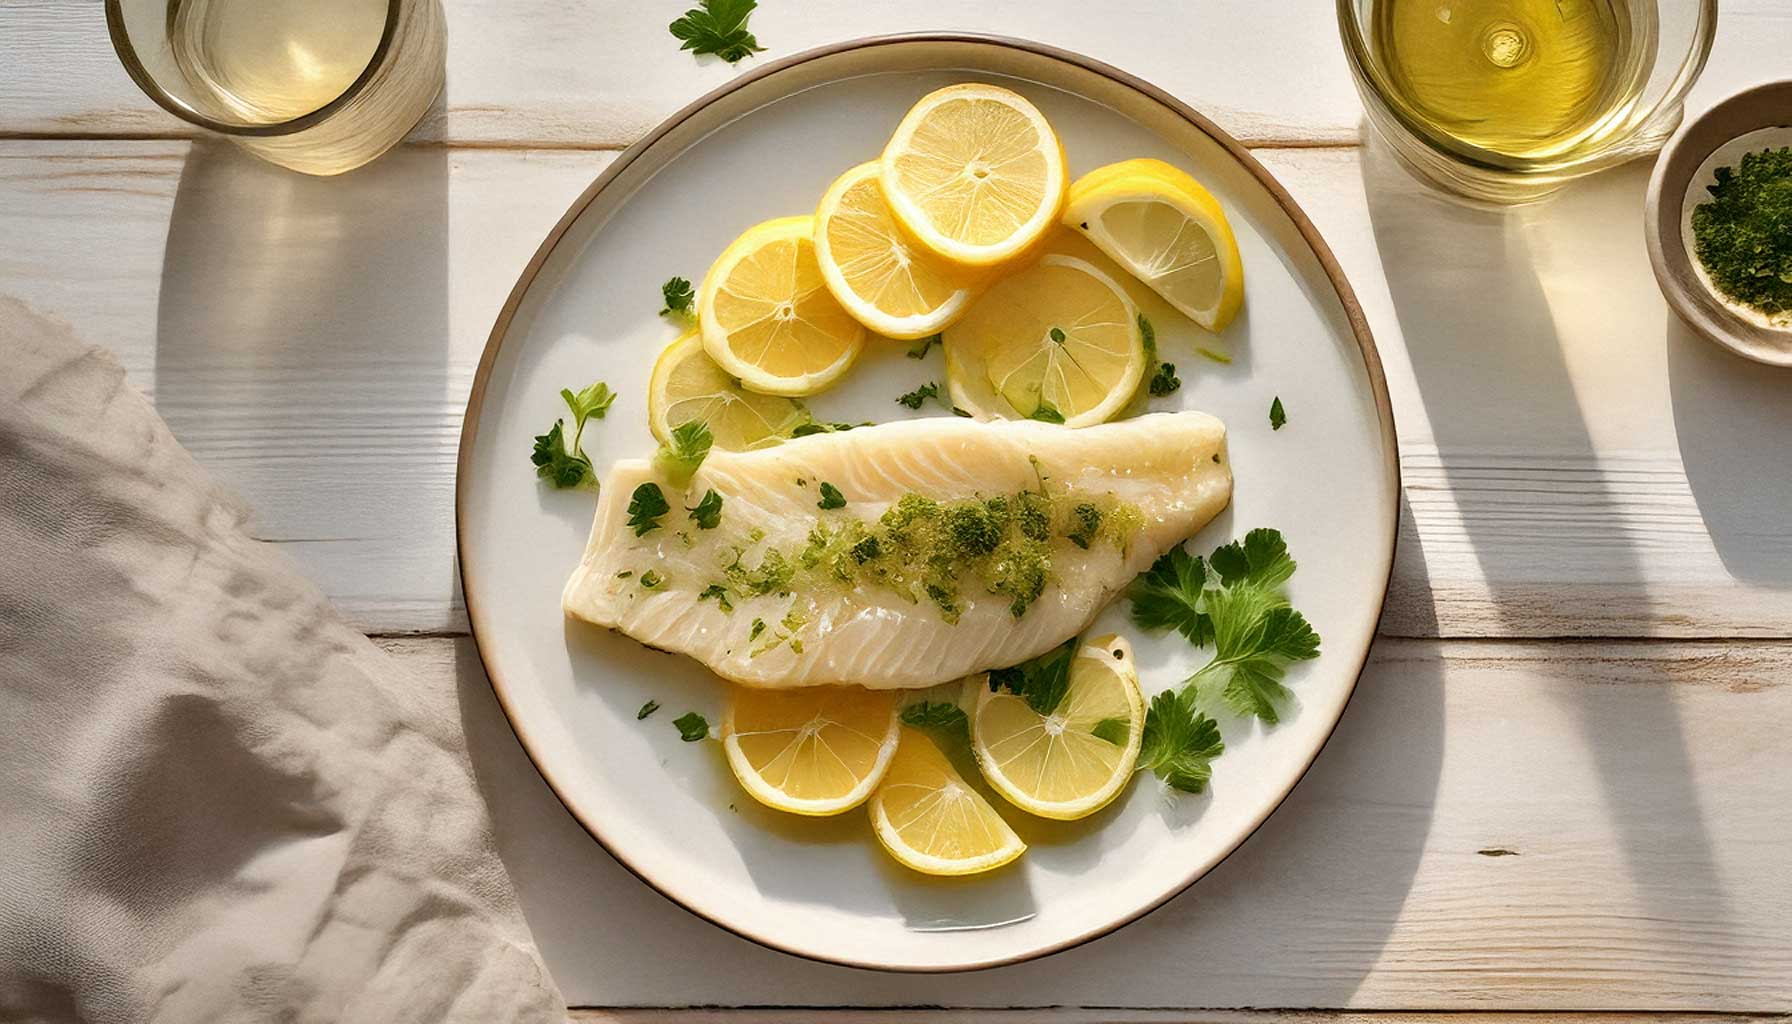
point(768, 145)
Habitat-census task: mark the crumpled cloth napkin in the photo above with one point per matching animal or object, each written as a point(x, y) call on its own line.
point(218, 802)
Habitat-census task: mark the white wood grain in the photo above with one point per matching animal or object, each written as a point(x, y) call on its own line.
point(598, 73)
point(1495, 826)
point(1577, 463)
point(1080, 1015)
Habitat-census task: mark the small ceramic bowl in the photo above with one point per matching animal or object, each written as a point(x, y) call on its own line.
point(1752, 120)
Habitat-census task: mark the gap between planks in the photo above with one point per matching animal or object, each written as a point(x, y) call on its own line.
point(1100, 1015)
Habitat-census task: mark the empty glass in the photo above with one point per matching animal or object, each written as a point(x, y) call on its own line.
point(319, 86)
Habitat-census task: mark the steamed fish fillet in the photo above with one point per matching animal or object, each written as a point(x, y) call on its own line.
point(783, 593)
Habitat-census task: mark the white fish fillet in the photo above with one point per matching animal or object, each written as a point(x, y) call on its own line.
point(1172, 467)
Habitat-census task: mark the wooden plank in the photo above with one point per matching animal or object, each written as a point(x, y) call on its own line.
point(1495, 826)
point(1576, 462)
point(1089, 1015)
point(554, 73)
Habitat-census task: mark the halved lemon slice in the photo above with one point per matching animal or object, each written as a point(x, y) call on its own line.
point(1166, 230)
point(931, 820)
point(767, 316)
point(975, 173)
point(688, 385)
point(1074, 761)
point(811, 750)
point(1058, 341)
point(888, 283)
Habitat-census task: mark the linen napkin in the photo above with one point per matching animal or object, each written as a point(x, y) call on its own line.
point(218, 802)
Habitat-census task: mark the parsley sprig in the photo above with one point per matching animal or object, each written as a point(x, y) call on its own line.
point(1179, 743)
point(690, 445)
point(553, 461)
point(913, 399)
point(1041, 682)
point(679, 297)
point(718, 27)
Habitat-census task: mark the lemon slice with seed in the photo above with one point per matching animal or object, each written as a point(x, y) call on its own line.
point(931, 820)
point(975, 173)
point(767, 316)
point(885, 281)
point(1166, 230)
point(687, 385)
point(1074, 761)
point(813, 750)
point(1058, 341)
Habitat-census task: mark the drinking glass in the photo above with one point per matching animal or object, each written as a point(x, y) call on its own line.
point(318, 86)
point(1667, 47)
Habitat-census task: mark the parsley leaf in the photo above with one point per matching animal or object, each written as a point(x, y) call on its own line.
point(1261, 560)
point(718, 27)
point(1041, 682)
point(920, 351)
point(679, 296)
point(651, 580)
point(1165, 381)
point(690, 446)
point(1255, 635)
point(692, 727)
point(647, 709)
point(1168, 595)
point(593, 401)
point(720, 593)
point(555, 464)
point(914, 398)
point(1178, 744)
point(708, 512)
point(645, 507)
point(1113, 730)
point(941, 716)
point(830, 497)
point(1046, 412)
point(1277, 416)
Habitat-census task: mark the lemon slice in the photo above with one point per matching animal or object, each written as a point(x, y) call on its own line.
point(811, 750)
point(975, 173)
point(1058, 339)
point(1074, 761)
point(767, 316)
point(931, 820)
point(688, 385)
point(1166, 230)
point(886, 282)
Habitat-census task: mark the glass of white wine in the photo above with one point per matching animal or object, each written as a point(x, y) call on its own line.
point(1505, 101)
point(319, 86)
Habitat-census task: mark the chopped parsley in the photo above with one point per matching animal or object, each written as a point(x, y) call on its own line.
point(1277, 416)
point(1179, 744)
point(914, 398)
point(817, 427)
point(720, 593)
point(680, 298)
point(690, 446)
point(1164, 381)
point(708, 512)
point(651, 580)
point(1041, 682)
point(692, 727)
point(1046, 412)
point(1057, 335)
point(920, 351)
point(645, 507)
point(647, 709)
point(830, 497)
point(556, 463)
point(718, 27)
point(757, 628)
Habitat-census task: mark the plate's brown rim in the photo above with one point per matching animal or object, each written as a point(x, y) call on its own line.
point(1353, 312)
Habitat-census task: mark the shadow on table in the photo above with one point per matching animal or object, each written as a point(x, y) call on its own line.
point(1734, 420)
point(1492, 368)
point(303, 326)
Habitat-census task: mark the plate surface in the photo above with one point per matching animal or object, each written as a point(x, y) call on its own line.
point(768, 145)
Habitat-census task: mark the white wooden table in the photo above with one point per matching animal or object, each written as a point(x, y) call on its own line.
point(1565, 784)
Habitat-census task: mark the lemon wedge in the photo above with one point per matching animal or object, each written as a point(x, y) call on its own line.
point(1074, 761)
point(887, 283)
point(931, 820)
point(813, 750)
point(1166, 230)
point(1058, 341)
point(975, 173)
point(687, 385)
point(767, 316)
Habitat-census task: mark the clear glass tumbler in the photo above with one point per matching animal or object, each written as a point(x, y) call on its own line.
point(1456, 87)
point(319, 86)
